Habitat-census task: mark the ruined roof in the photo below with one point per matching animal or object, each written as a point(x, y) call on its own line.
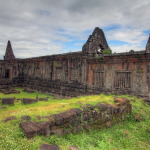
point(95, 42)
point(148, 45)
point(9, 55)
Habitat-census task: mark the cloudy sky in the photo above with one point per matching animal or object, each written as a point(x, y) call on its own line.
point(45, 27)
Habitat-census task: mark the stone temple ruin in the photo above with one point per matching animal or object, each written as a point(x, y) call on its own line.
point(90, 71)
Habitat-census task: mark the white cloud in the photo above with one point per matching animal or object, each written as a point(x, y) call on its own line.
point(36, 25)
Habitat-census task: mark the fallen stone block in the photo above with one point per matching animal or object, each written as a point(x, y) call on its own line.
point(108, 124)
point(118, 99)
point(90, 107)
point(77, 110)
point(59, 132)
point(68, 115)
point(72, 147)
point(32, 128)
point(49, 147)
point(50, 120)
point(105, 107)
point(8, 101)
point(28, 91)
point(43, 99)
point(10, 91)
point(10, 118)
point(75, 121)
point(26, 117)
point(29, 101)
point(138, 117)
point(3, 107)
point(58, 119)
point(14, 92)
point(147, 101)
point(121, 101)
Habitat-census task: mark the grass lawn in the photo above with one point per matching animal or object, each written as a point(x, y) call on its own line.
point(128, 135)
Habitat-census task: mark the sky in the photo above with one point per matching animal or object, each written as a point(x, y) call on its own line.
point(45, 27)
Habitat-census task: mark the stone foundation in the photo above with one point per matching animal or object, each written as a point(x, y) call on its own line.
point(76, 120)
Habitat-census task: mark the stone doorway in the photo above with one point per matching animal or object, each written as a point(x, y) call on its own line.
point(7, 73)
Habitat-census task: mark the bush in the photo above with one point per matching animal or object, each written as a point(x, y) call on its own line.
point(106, 51)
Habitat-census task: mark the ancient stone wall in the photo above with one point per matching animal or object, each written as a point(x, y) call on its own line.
point(126, 74)
point(86, 72)
point(76, 75)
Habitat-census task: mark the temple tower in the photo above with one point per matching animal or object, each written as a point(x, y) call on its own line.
point(9, 55)
point(96, 42)
point(148, 45)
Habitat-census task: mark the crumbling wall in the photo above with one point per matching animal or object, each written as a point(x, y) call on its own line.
point(78, 75)
point(124, 74)
point(76, 120)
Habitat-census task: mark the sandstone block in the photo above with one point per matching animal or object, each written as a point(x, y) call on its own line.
point(29, 101)
point(49, 147)
point(8, 101)
point(32, 128)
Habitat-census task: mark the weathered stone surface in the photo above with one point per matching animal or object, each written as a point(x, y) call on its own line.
point(26, 117)
point(10, 91)
point(29, 101)
point(58, 119)
point(138, 117)
point(10, 118)
point(49, 147)
point(43, 99)
point(121, 101)
point(68, 115)
point(8, 101)
point(96, 42)
point(118, 100)
point(78, 111)
point(59, 132)
point(72, 147)
point(104, 106)
point(147, 101)
point(89, 106)
point(3, 107)
point(9, 55)
point(108, 124)
point(50, 119)
point(32, 128)
point(75, 121)
point(28, 90)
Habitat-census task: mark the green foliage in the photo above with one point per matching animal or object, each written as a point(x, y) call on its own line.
point(127, 135)
point(106, 51)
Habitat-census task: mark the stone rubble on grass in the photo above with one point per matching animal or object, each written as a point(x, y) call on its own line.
point(29, 101)
point(8, 101)
point(26, 117)
point(76, 120)
point(32, 128)
point(72, 147)
point(43, 99)
point(3, 107)
point(10, 118)
point(49, 147)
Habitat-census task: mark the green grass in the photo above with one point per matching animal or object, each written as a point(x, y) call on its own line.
point(127, 135)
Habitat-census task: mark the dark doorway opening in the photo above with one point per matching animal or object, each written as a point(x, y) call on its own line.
point(7, 73)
